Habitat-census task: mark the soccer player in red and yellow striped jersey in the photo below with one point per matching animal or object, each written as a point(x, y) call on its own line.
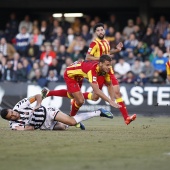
point(89, 70)
point(97, 48)
point(168, 70)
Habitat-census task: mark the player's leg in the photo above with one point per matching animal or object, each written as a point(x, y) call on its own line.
point(60, 126)
point(45, 92)
point(93, 96)
point(72, 121)
point(120, 101)
point(77, 102)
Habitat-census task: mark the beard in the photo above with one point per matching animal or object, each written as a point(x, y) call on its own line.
point(100, 37)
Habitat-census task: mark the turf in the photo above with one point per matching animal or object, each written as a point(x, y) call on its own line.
point(104, 145)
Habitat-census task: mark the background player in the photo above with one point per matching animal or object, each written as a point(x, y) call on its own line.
point(98, 47)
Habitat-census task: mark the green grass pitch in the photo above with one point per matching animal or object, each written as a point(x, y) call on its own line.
point(105, 145)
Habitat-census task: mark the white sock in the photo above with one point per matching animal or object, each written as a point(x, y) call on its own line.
point(84, 116)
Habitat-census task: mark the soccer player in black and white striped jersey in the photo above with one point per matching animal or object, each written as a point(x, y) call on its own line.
point(24, 117)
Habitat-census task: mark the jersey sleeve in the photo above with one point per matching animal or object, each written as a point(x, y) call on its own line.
point(109, 76)
point(13, 125)
point(168, 68)
point(92, 76)
point(92, 48)
point(22, 104)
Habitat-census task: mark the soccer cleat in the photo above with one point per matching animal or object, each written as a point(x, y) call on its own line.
point(129, 119)
point(44, 92)
point(105, 113)
point(80, 125)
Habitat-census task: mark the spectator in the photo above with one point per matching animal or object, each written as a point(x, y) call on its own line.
point(64, 24)
point(20, 73)
point(11, 28)
point(59, 35)
point(151, 24)
point(154, 53)
point(9, 74)
point(156, 78)
point(44, 30)
point(167, 41)
point(37, 37)
point(141, 79)
point(54, 27)
point(26, 65)
point(7, 49)
point(39, 79)
point(130, 58)
point(26, 23)
point(128, 29)
point(148, 69)
point(141, 51)
point(86, 35)
point(44, 68)
point(166, 31)
point(16, 60)
point(48, 55)
point(77, 44)
point(76, 25)
point(62, 54)
point(55, 66)
point(136, 68)
point(110, 36)
point(129, 78)
point(161, 45)
point(56, 46)
point(150, 38)
point(3, 61)
point(32, 71)
point(161, 26)
point(70, 37)
point(52, 76)
point(138, 33)
point(67, 63)
point(130, 44)
point(122, 67)
point(113, 22)
point(32, 51)
point(22, 41)
point(140, 23)
point(159, 64)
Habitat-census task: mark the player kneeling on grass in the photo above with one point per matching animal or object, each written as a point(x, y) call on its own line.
point(25, 117)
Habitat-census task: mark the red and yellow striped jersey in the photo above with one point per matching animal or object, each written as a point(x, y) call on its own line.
point(86, 69)
point(99, 47)
point(168, 68)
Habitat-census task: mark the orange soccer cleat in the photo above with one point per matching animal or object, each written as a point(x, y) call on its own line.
point(129, 119)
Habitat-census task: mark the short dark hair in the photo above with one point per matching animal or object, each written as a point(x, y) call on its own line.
point(4, 113)
point(104, 58)
point(98, 25)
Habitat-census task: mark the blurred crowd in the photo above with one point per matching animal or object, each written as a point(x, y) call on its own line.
point(39, 51)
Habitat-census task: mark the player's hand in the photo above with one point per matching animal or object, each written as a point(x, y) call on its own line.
point(114, 104)
point(119, 46)
point(37, 107)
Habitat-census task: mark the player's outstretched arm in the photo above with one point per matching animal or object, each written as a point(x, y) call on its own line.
point(24, 128)
point(103, 96)
point(90, 57)
point(38, 99)
point(118, 48)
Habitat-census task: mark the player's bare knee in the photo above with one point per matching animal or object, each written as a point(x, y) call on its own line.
point(95, 98)
point(117, 94)
point(80, 102)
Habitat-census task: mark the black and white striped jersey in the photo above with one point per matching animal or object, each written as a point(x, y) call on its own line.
point(27, 115)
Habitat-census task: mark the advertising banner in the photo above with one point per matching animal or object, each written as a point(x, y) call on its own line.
point(145, 100)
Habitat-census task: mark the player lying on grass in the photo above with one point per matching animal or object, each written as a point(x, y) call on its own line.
point(25, 117)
